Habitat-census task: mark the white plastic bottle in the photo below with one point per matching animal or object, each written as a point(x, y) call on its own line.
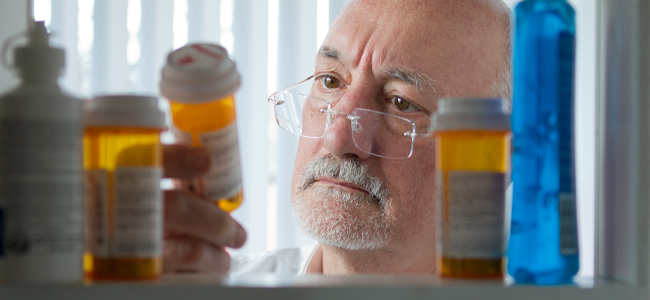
point(41, 185)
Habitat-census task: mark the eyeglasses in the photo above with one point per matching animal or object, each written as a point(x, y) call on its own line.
point(377, 133)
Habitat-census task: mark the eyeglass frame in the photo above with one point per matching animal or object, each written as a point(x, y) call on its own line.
point(330, 113)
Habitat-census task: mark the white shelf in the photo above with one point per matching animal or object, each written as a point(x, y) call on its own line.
point(197, 287)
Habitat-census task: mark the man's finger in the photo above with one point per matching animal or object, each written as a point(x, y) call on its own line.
point(184, 254)
point(181, 161)
point(200, 219)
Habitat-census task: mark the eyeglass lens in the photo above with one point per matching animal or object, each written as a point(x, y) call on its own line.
point(373, 132)
point(381, 134)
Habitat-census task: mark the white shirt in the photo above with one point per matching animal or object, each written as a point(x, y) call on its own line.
point(292, 261)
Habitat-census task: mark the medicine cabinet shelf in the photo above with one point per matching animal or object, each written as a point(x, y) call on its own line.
point(270, 287)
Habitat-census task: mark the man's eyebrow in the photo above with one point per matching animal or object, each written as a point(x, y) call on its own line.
point(328, 52)
point(418, 80)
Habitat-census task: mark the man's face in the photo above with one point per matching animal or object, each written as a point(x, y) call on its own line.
point(396, 57)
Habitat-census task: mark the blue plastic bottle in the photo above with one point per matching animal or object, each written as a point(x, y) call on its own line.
point(543, 245)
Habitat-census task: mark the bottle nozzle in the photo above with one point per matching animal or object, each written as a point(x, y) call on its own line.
point(38, 35)
point(37, 55)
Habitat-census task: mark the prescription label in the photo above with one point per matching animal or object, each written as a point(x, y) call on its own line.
point(97, 195)
point(137, 212)
point(223, 180)
point(475, 215)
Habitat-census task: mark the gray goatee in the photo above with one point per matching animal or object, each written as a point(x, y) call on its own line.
point(338, 217)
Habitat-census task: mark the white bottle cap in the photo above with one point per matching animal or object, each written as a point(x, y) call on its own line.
point(199, 73)
point(456, 114)
point(124, 111)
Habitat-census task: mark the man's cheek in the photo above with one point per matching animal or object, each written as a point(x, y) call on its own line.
point(413, 184)
point(307, 151)
point(416, 210)
point(308, 148)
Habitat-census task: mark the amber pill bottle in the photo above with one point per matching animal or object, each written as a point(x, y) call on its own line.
point(199, 81)
point(124, 205)
point(473, 168)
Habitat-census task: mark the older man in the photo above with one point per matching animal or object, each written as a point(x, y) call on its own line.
point(366, 198)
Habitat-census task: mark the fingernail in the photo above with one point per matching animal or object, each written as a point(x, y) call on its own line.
point(199, 159)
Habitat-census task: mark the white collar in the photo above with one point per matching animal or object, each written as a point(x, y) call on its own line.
point(307, 261)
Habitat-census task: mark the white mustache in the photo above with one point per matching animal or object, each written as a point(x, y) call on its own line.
point(347, 169)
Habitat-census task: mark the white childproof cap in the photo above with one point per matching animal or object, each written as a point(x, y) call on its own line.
point(199, 73)
point(124, 111)
point(457, 114)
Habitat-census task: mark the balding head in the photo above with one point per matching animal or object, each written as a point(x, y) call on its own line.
point(473, 31)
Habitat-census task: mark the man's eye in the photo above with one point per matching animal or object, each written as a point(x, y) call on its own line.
point(402, 104)
point(330, 82)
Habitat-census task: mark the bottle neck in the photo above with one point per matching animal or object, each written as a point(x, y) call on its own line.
point(39, 78)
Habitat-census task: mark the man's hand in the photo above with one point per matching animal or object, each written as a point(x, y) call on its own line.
point(196, 231)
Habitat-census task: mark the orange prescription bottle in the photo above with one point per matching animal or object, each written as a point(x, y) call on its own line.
point(199, 80)
point(123, 165)
point(473, 168)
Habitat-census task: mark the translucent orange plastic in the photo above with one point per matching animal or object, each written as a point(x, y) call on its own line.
point(198, 118)
point(108, 148)
point(457, 151)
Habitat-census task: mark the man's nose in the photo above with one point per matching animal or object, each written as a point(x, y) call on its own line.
point(338, 138)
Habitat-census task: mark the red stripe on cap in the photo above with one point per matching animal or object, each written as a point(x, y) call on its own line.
point(207, 52)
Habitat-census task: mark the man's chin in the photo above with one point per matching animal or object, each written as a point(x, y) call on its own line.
point(341, 218)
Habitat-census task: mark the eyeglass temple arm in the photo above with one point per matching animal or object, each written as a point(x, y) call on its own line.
point(418, 135)
point(272, 97)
